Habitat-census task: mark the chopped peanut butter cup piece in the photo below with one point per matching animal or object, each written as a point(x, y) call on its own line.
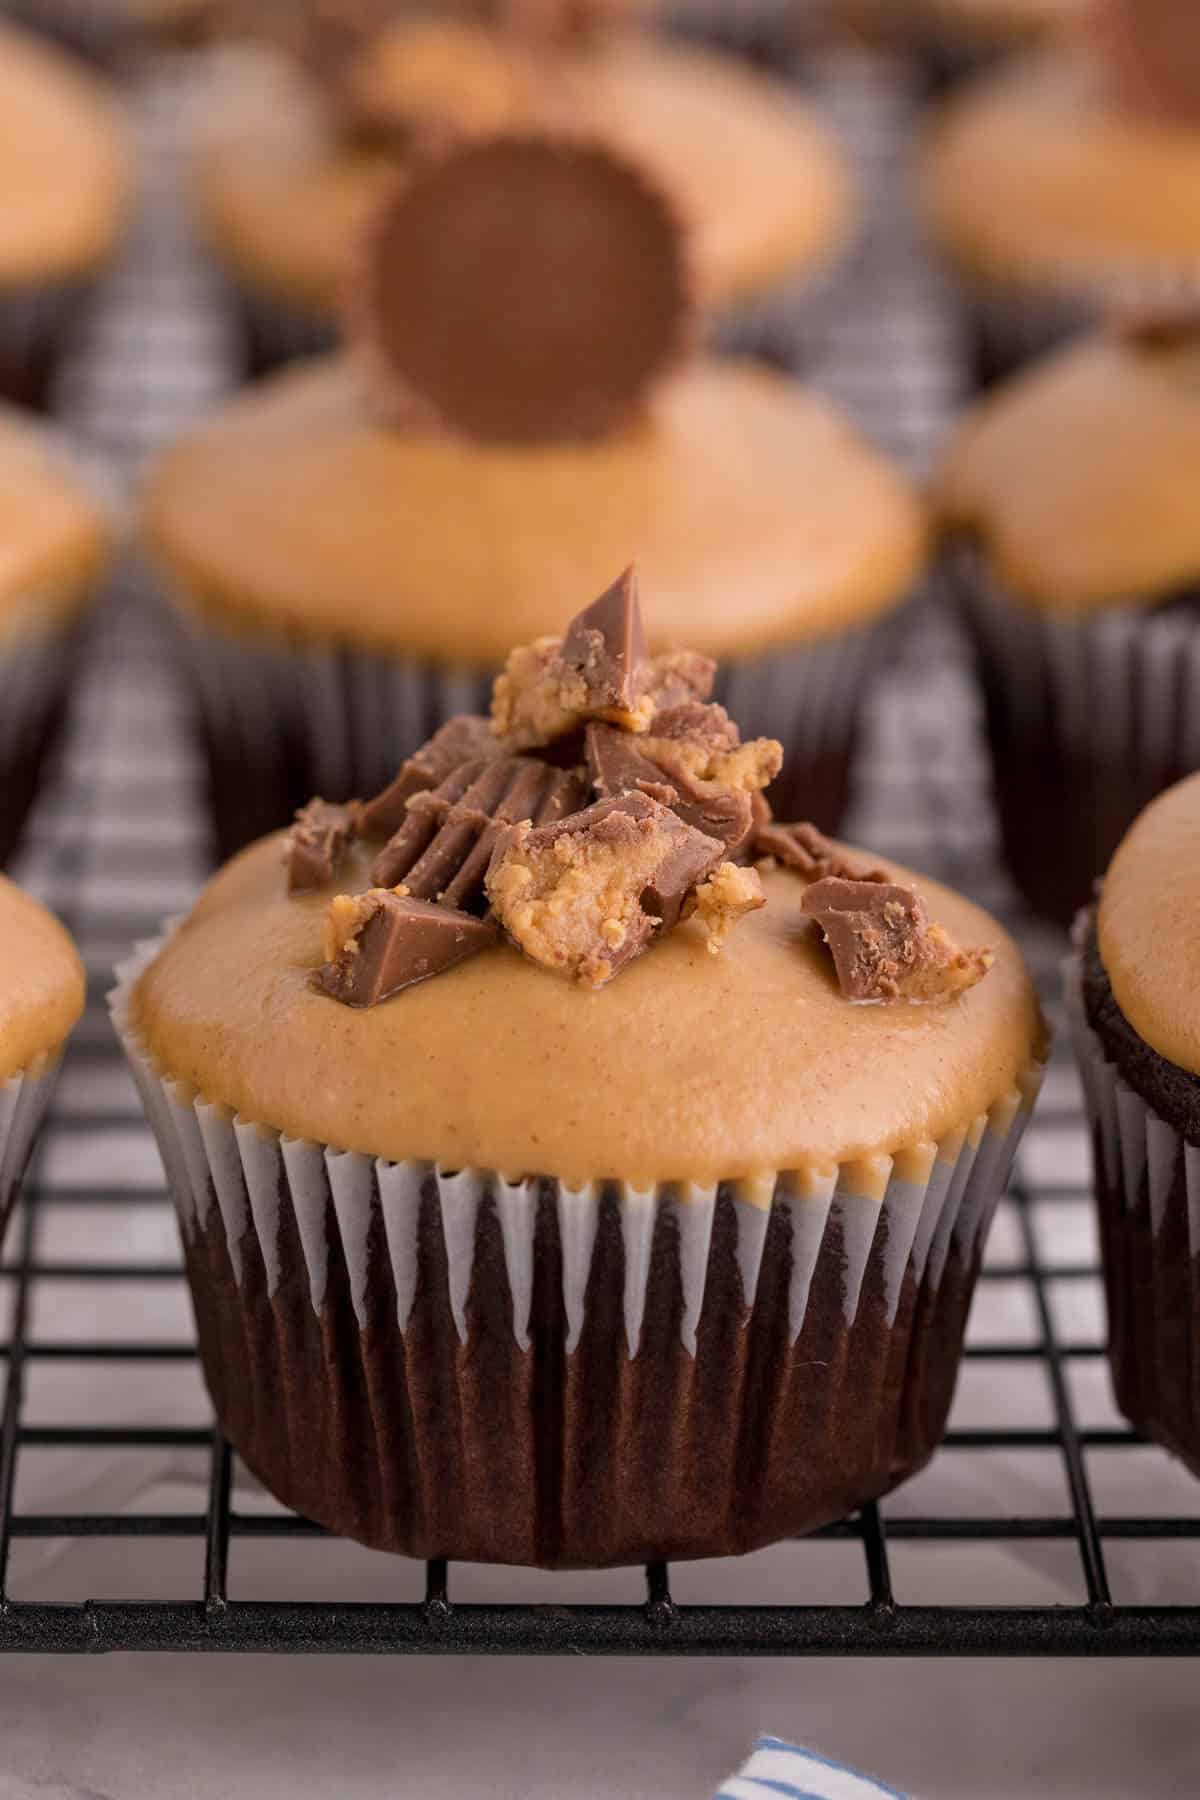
point(381, 942)
point(702, 745)
point(617, 766)
point(810, 853)
point(443, 848)
point(586, 896)
point(884, 947)
point(314, 844)
point(468, 737)
point(522, 289)
point(727, 896)
point(598, 670)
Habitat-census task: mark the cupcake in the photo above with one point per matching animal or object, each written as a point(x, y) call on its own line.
point(55, 548)
point(1068, 497)
point(352, 544)
point(63, 185)
point(1133, 990)
point(306, 146)
point(41, 999)
point(575, 1165)
point(1071, 183)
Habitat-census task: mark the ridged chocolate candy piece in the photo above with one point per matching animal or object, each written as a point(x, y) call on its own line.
point(443, 848)
point(315, 843)
point(617, 767)
point(465, 738)
point(606, 646)
point(385, 942)
point(522, 289)
point(809, 852)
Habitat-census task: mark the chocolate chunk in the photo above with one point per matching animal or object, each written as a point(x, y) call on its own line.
point(883, 946)
point(314, 844)
point(680, 676)
point(810, 853)
point(587, 895)
point(381, 942)
point(522, 289)
point(617, 766)
point(443, 848)
point(606, 646)
point(467, 737)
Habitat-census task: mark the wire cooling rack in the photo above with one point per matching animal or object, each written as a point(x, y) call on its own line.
point(1044, 1526)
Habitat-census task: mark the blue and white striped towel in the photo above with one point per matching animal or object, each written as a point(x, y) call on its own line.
point(778, 1769)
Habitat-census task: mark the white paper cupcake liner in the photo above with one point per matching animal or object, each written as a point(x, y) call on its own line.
point(289, 719)
point(1148, 1191)
point(681, 1300)
point(24, 1100)
point(1089, 716)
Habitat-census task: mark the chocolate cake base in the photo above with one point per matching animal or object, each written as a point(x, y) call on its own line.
point(1151, 1263)
point(415, 1441)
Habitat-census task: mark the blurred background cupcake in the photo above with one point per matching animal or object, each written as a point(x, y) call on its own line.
point(1070, 183)
point(41, 999)
point(64, 182)
point(1133, 988)
point(719, 1302)
point(55, 546)
point(311, 128)
point(352, 545)
point(1069, 499)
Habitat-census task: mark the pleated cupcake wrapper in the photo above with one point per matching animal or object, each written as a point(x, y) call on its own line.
point(24, 1100)
point(873, 1241)
point(1018, 321)
point(1148, 1188)
point(1090, 715)
point(34, 323)
point(350, 717)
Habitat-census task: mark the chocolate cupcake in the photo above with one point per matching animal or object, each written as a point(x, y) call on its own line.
point(310, 141)
point(63, 188)
point(353, 544)
point(41, 998)
point(576, 1166)
point(1067, 185)
point(56, 546)
point(1075, 556)
point(1133, 989)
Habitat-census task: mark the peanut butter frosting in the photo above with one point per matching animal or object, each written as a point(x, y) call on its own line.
point(1038, 176)
point(689, 1066)
point(53, 539)
point(41, 982)
point(1149, 943)
point(1079, 478)
point(757, 514)
point(64, 173)
point(755, 177)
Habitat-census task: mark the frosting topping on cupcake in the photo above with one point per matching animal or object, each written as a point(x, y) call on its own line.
point(641, 808)
point(521, 289)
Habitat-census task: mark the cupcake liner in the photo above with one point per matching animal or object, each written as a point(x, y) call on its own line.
point(275, 332)
point(1089, 717)
point(1147, 1180)
point(1018, 322)
point(453, 1363)
point(24, 1100)
point(34, 324)
point(36, 663)
point(283, 720)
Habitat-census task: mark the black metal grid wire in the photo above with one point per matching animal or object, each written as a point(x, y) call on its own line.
point(119, 843)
